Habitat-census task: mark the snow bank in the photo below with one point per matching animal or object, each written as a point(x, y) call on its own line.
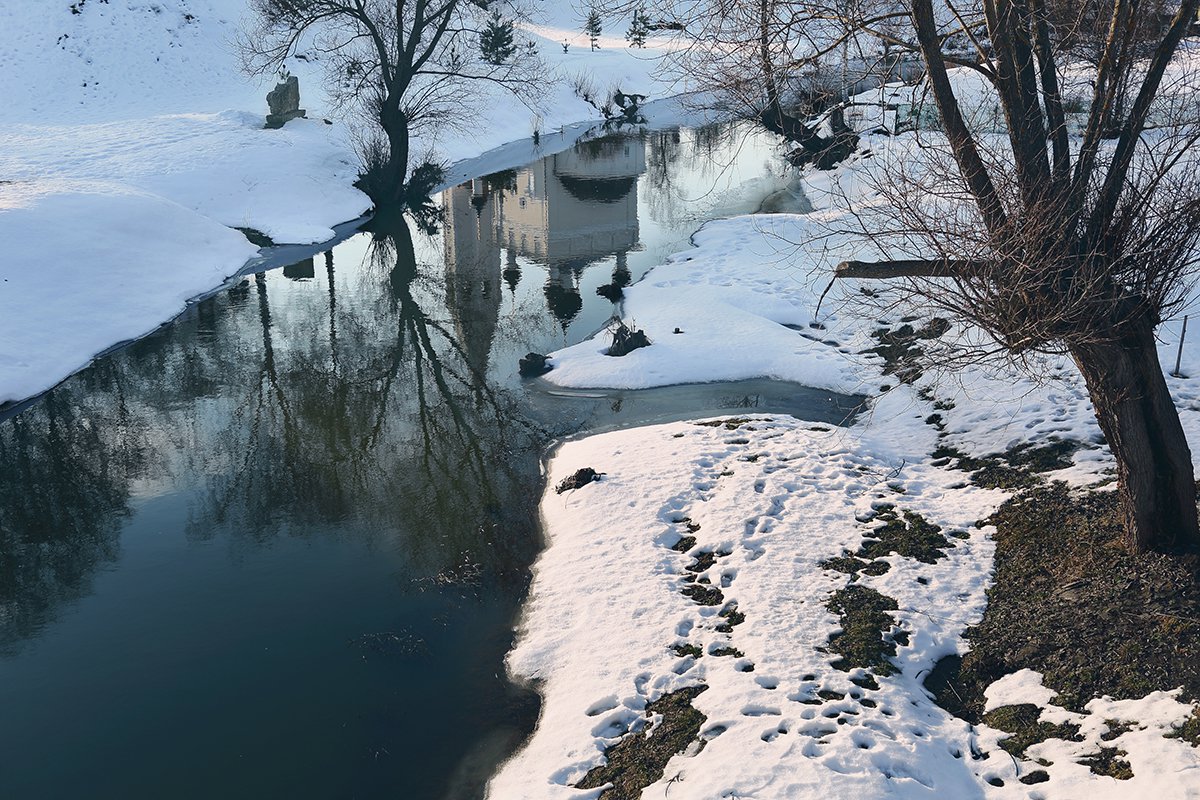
point(88, 265)
point(745, 303)
point(124, 174)
point(293, 184)
point(779, 496)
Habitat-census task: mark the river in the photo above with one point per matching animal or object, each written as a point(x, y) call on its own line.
point(277, 548)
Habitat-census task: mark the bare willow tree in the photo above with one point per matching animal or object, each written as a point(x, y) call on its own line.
point(411, 65)
point(1064, 232)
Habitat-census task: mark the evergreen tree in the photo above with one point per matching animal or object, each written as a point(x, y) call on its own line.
point(593, 28)
point(639, 28)
point(496, 40)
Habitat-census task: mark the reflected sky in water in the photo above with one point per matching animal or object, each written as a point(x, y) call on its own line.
point(276, 548)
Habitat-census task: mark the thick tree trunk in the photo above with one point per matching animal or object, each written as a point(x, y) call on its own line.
point(395, 126)
point(1156, 485)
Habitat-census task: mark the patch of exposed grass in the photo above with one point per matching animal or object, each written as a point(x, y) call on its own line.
point(732, 618)
point(1115, 728)
point(684, 544)
point(1022, 722)
point(864, 619)
point(1111, 762)
point(1188, 731)
point(1016, 468)
point(1035, 777)
point(639, 760)
point(908, 534)
point(731, 424)
point(683, 650)
point(852, 566)
point(703, 595)
point(866, 682)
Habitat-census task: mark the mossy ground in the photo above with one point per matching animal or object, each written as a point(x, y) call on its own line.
point(1070, 601)
point(906, 534)
point(639, 759)
point(1109, 761)
point(683, 650)
point(1190, 730)
point(1018, 468)
point(732, 618)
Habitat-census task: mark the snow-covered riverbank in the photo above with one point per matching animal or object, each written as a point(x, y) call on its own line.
point(124, 172)
point(710, 554)
point(808, 533)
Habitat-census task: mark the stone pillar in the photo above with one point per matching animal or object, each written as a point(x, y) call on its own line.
point(284, 102)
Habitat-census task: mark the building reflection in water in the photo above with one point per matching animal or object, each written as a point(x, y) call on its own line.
point(566, 212)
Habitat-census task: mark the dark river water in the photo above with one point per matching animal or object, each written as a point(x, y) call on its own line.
point(277, 548)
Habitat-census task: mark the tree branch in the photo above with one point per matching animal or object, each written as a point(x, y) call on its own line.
point(915, 268)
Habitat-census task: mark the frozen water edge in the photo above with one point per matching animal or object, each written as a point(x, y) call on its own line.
point(203, 267)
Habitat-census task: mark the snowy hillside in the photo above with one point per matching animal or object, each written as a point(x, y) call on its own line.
point(93, 60)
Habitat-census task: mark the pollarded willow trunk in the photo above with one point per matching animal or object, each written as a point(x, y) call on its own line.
point(1156, 485)
point(395, 127)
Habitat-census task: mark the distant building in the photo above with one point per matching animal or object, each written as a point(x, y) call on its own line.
point(472, 272)
point(579, 206)
point(566, 211)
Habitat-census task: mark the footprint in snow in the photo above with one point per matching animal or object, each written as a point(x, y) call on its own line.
point(602, 706)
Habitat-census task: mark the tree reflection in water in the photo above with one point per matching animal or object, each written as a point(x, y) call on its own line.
point(378, 415)
point(362, 417)
point(64, 492)
point(348, 482)
point(369, 417)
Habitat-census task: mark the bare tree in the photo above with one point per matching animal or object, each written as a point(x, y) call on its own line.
point(787, 63)
point(410, 64)
point(1081, 30)
point(1060, 233)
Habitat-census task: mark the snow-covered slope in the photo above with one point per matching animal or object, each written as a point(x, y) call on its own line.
point(71, 61)
point(124, 172)
point(759, 510)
